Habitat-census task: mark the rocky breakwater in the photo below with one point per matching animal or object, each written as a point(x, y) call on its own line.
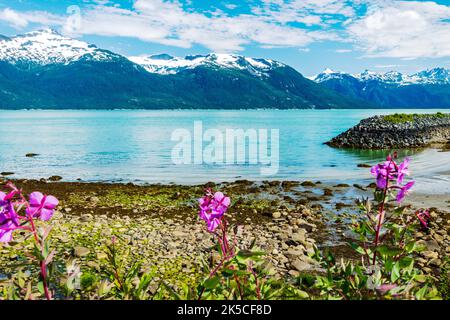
point(396, 131)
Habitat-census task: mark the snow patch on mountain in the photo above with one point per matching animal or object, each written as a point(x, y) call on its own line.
point(166, 64)
point(328, 74)
point(48, 47)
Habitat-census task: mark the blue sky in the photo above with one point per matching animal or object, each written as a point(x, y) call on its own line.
point(310, 35)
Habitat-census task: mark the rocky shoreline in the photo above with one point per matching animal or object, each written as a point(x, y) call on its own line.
point(398, 131)
point(159, 223)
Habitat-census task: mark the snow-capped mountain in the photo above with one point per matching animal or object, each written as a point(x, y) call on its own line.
point(44, 69)
point(425, 89)
point(166, 64)
point(430, 76)
point(435, 76)
point(46, 47)
point(329, 74)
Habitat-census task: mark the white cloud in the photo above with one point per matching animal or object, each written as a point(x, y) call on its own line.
point(231, 6)
point(343, 50)
point(389, 28)
point(21, 20)
point(167, 22)
point(404, 29)
point(13, 18)
point(309, 12)
point(388, 66)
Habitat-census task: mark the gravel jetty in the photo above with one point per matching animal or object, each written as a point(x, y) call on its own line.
point(398, 131)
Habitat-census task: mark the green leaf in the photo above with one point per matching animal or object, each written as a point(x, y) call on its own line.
point(388, 252)
point(249, 254)
point(421, 278)
point(40, 287)
point(358, 248)
point(211, 283)
point(252, 245)
point(411, 246)
point(172, 292)
point(399, 211)
point(406, 263)
point(395, 273)
point(421, 293)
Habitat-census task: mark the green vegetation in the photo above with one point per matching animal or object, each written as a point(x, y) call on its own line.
point(121, 84)
point(140, 243)
point(409, 117)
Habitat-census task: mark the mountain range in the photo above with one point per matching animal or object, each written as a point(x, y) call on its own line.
point(425, 89)
point(44, 69)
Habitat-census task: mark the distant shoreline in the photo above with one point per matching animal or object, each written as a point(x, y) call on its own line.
point(341, 190)
point(234, 109)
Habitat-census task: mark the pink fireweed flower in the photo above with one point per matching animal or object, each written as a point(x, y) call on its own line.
point(2, 199)
point(9, 220)
point(402, 170)
point(6, 230)
point(8, 197)
point(391, 171)
point(42, 206)
point(424, 218)
point(404, 191)
point(384, 172)
point(212, 208)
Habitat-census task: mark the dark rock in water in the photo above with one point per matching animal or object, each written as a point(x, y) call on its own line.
point(364, 165)
point(7, 173)
point(340, 205)
point(307, 184)
point(55, 178)
point(31, 155)
point(380, 132)
point(372, 185)
point(360, 187)
point(274, 183)
point(446, 147)
point(289, 184)
point(342, 185)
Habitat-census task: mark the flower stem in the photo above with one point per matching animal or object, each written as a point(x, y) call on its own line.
point(42, 264)
point(380, 217)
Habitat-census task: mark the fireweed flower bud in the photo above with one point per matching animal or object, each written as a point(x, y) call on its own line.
point(424, 217)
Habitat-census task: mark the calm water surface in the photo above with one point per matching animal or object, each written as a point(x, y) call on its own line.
point(136, 146)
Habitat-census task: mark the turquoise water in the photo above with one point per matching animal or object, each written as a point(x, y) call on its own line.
point(124, 146)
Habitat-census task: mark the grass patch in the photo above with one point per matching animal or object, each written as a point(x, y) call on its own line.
point(410, 117)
